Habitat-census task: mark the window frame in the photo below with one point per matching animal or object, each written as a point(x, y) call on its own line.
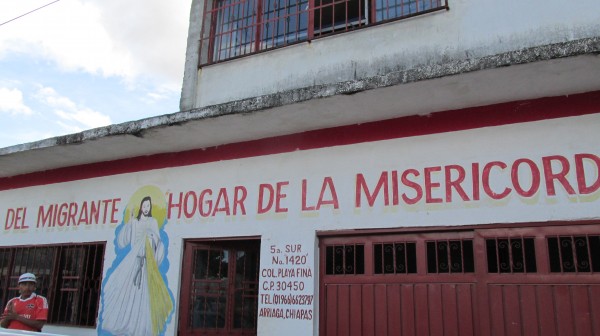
point(69, 276)
point(355, 14)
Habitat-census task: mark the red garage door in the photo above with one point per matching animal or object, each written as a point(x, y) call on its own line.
point(510, 281)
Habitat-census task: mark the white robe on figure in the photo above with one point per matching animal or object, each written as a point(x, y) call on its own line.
point(129, 308)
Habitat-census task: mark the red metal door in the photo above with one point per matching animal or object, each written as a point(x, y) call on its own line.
point(540, 281)
point(398, 292)
point(503, 281)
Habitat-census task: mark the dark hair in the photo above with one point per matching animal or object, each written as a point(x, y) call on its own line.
point(147, 198)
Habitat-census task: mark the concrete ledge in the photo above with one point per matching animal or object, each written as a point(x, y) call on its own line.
point(587, 46)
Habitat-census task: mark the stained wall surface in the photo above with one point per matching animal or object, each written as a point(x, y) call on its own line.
point(537, 171)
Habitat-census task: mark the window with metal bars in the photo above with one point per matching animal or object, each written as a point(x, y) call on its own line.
point(511, 255)
point(233, 28)
point(224, 287)
point(69, 276)
point(570, 254)
point(345, 259)
point(450, 256)
point(395, 258)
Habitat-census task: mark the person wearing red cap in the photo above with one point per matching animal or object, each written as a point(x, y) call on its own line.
point(28, 311)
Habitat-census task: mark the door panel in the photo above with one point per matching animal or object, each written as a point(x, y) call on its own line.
point(542, 309)
point(400, 309)
point(500, 281)
point(220, 288)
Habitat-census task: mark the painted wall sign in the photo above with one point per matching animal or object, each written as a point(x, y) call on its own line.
point(285, 282)
point(575, 175)
point(66, 214)
point(544, 171)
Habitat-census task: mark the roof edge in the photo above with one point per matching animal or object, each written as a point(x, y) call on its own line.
point(585, 46)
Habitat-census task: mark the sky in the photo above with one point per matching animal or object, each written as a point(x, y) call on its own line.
point(80, 64)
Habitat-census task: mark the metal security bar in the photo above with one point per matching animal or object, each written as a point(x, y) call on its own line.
point(234, 28)
point(69, 276)
point(395, 258)
point(511, 255)
point(574, 254)
point(348, 259)
point(450, 256)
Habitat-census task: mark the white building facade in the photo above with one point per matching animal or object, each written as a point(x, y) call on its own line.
point(393, 169)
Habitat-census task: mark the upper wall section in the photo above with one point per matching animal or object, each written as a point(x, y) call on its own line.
point(468, 30)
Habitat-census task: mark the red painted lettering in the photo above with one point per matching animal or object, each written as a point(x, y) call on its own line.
point(450, 183)
point(190, 204)
point(265, 190)
point(172, 205)
point(475, 180)
point(429, 185)
point(279, 195)
point(333, 200)
point(9, 222)
point(239, 198)
point(560, 176)
point(15, 219)
point(205, 211)
point(63, 214)
point(485, 180)
point(222, 204)
point(106, 203)
point(581, 176)
point(361, 187)
point(395, 188)
point(95, 212)
point(83, 214)
point(413, 185)
point(304, 192)
point(516, 181)
point(45, 217)
point(115, 209)
point(72, 213)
